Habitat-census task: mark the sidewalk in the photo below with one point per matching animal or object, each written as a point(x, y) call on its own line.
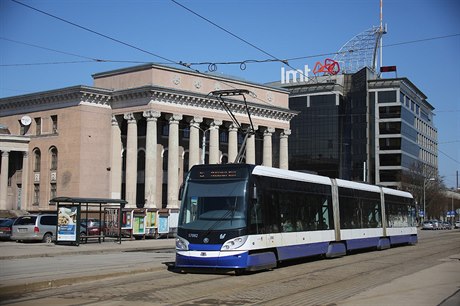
point(13, 250)
point(24, 266)
point(438, 285)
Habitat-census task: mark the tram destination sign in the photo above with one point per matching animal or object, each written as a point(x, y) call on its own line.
point(219, 174)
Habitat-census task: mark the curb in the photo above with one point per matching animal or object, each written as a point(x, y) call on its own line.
point(12, 292)
point(86, 252)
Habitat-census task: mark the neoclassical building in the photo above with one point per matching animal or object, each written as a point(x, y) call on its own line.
point(133, 135)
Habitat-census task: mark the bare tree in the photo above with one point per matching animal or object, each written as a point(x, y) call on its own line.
point(425, 185)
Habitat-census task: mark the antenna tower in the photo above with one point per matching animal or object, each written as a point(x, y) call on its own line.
point(361, 51)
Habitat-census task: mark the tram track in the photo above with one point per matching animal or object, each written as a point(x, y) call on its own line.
point(301, 282)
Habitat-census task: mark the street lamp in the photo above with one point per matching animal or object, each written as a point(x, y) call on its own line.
point(203, 144)
point(425, 181)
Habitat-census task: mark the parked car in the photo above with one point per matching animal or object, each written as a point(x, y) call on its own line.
point(447, 225)
point(457, 224)
point(90, 227)
point(5, 228)
point(41, 227)
point(428, 225)
point(441, 225)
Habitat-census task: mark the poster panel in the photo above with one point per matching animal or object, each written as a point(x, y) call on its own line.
point(138, 225)
point(126, 220)
point(67, 223)
point(150, 219)
point(163, 224)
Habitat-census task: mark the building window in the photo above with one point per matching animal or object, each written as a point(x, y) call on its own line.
point(240, 138)
point(165, 130)
point(390, 112)
point(387, 96)
point(38, 126)
point(54, 120)
point(54, 158)
point(165, 160)
point(186, 132)
point(53, 191)
point(37, 160)
point(36, 194)
point(223, 137)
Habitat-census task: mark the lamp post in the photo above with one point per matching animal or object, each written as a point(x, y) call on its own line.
point(425, 181)
point(203, 142)
point(203, 145)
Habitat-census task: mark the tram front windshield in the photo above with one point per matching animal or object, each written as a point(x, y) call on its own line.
point(214, 205)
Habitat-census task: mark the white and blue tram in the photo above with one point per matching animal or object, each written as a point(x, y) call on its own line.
point(246, 217)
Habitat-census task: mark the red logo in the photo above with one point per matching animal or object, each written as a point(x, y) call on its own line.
point(330, 67)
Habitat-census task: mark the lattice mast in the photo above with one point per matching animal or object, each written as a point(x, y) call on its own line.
point(362, 50)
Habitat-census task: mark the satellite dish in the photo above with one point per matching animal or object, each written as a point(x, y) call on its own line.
point(26, 120)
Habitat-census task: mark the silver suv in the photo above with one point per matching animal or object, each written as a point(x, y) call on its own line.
point(35, 227)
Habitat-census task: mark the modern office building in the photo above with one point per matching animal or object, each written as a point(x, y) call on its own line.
point(133, 135)
point(360, 126)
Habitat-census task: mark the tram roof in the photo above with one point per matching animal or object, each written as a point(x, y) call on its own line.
point(291, 175)
point(313, 178)
point(396, 192)
point(357, 185)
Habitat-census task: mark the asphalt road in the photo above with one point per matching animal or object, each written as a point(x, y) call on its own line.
point(425, 274)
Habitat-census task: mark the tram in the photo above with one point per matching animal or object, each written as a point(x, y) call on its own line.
point(248, 218)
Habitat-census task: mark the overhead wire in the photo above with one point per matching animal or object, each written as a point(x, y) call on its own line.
point(97, 33)
point(236, 36)
point(180, 63)
point(211, 66)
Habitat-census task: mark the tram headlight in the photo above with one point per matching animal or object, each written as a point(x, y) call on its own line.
point(234, 243)
point(181, 244)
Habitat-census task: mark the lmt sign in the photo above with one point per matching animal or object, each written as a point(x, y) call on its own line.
point(329, 67)
point(294, 76)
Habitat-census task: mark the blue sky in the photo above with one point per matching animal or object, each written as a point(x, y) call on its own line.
point(285, 29)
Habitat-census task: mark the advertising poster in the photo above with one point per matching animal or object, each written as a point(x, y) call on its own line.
point(126, 220)
point(138, 228)
point(150, 219)
point(67, 223)
point(163, 224)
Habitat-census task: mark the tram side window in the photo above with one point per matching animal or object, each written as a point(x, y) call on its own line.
point(272, 221)
point(315, 213)
point(350, 214)
point(256, 214)
point(399, 211)
point(359, 209)
point(371, 213)
point(293, 206)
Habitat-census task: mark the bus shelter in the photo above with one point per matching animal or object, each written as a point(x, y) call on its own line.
point(80, 219)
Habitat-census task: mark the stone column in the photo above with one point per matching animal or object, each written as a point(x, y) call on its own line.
point(284, 163)
point(25, 180)
point(4, 180)
point(194, 144)
point(116, 160)
point(173, 160)
point(214, 142)
point(251, 148)
point(232, 142)
point(131, 160)
point(151, 158)
point(267, 153)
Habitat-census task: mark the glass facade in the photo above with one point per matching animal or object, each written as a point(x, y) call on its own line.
point(317, 131)
point(329, 135)
point(360, 119)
